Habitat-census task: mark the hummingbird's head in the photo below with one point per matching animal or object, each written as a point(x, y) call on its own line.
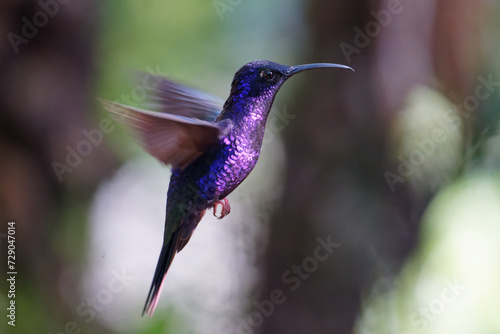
point(260, 80)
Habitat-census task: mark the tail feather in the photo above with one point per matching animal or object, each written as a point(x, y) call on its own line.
point(166, 257)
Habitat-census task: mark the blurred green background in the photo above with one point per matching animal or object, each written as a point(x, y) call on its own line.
point(374, 208)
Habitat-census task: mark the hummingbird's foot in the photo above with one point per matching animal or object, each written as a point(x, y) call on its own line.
point(226, 208)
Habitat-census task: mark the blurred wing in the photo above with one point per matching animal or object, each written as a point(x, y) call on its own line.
point(172, 139)
point(170, 97)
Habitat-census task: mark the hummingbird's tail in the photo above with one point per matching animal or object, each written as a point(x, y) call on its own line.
point(166, 256)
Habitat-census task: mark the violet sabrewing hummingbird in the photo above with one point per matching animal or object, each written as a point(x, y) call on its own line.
point(211, 149)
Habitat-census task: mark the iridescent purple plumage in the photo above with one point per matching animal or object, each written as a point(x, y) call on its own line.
point(210, 155)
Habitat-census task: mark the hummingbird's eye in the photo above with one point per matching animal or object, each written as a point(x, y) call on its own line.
point(267, 74)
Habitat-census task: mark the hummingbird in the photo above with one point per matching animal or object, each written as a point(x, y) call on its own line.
point(211, 149)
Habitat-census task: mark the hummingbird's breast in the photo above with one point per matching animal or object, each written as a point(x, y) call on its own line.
point(217, 172)
point(234, 159)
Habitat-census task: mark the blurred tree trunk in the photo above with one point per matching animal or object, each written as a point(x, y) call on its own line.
point(337, 154)
point(47, 61)
point(334, 186)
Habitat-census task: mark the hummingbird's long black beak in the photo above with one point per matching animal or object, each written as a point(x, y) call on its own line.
point(299, 68)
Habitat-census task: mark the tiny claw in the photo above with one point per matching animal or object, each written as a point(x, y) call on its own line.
point(226, 208)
